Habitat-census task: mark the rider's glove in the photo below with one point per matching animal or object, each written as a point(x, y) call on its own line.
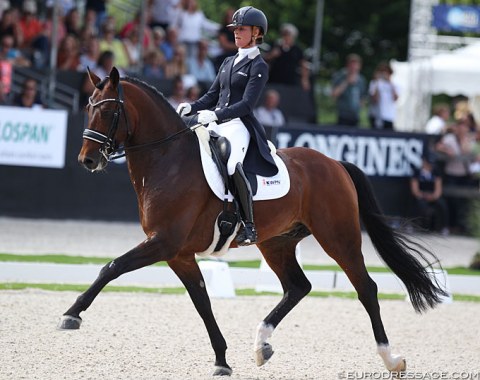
point(184, 109)
point(206, 117)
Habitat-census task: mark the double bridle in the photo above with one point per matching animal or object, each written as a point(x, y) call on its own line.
point(108, 147)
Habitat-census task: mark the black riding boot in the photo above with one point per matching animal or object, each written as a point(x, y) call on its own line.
point(248, 235)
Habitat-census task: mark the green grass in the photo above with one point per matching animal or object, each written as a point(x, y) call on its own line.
point(67, 259)
point(179, 290)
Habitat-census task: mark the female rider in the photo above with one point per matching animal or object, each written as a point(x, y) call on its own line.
point(227, 109)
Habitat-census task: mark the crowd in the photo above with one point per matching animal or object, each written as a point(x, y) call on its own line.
point(179, 44)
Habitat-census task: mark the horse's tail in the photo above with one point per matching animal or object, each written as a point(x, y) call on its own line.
point(406, 258)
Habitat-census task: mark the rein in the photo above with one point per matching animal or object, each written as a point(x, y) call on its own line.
point(107, 142)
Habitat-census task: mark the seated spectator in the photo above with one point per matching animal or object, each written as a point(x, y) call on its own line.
point(72, 22)
point(134, 24)
point(68, 57)
point(9, 53)
point(163, 12)
point(178, 93)
point(98, 11)
point(10, 25)
point(287, 64)
point(200, 66)
point(170, 43)
point(426, 186)
point(437, 124)
point(4, 99)
point(268, 113)
point(89, 57)
point(226, 40)
point(111, 43)
point(193, 93)
point(154, 65)
point(29, 97)
point(178, 65)
point(29, 23)
point(132, 47)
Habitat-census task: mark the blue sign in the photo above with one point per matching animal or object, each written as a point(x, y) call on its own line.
point(456, 18)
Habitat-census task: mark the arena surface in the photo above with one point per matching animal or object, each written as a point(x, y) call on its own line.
point(153, 336)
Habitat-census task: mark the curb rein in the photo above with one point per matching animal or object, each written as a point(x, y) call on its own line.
point(107, 142)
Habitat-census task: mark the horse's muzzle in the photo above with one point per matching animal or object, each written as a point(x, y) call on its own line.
point(91, 163)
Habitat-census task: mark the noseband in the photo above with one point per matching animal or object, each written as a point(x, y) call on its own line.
point(108, 146)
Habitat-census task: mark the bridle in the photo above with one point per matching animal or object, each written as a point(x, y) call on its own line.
point(109, 149)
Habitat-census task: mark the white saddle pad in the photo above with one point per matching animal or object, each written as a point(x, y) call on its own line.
point(268, 187)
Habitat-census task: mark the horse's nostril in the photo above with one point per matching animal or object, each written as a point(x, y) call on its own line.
point(89, 163)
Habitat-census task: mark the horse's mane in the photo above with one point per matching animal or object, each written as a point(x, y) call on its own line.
point(149, 89)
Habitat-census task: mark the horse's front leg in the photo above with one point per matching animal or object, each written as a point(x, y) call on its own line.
point(189, 273)
point(146, 253)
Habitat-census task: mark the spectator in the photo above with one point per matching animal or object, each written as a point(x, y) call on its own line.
point(193, 93)
point(29, 97)
point(10, 25)
point(226, 40)
point(426, 186)
point(9, 53)
point(458, 150)
point(42, 43)
point(349, 91)
point(72, 23)
point(268, 114)
point(158, 37)
point(171, 42)
point(132, 47)
point(437, 124)
point(192, 25)
point(287, 64)
point(162, 12)
point(178, 93)
point(105, 63)
point(178, 65)
point(384, 94)
point(200, 66)
point(89, 57)
point(68, 57)
point(4, 100)
point(98, 9)
point(29, 23)
point(134, 24)
point(110, 43)
point(154, 66)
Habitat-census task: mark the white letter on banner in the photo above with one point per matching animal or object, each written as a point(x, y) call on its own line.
point(396, 167)
point(323, 145)
point(362, 143)
point(376, 157)
point(283, 139)
point(348, 151)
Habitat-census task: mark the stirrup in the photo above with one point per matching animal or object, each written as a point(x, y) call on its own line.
point(248, 235)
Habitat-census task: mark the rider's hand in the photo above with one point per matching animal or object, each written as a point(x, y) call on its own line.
point(206, 117)
point(184, 109)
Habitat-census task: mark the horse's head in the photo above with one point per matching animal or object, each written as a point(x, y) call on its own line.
point(107, 128)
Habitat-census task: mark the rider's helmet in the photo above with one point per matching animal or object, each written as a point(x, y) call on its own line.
point(252, 17)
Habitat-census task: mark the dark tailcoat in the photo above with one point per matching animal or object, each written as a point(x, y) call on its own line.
point(235, 93)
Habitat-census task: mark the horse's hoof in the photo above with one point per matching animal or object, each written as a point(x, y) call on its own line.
point(401, 366)
point(263, 354)
point(67, 322)
point(222, 371)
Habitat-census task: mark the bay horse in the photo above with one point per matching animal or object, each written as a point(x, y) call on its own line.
point(177, 211)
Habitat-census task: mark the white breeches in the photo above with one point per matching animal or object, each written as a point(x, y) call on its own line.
point(239, 137)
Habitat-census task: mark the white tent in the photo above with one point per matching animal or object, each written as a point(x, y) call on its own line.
point(454, 73)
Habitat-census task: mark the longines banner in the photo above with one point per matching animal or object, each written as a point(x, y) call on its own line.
point(33, 137)
point(376, 153)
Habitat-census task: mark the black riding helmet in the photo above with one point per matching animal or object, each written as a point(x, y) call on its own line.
point(250, 16)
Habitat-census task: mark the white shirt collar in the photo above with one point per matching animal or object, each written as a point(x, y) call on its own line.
point(251, 52)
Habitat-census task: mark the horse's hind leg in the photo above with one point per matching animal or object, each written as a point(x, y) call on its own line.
point(191, 276)
point(279, 252)
point(145, 254)
point(346, 251)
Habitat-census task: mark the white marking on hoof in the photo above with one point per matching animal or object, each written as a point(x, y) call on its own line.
point(394, 363)
point(264, 332)
point(68, 322)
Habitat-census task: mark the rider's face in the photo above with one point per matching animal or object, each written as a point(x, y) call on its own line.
point(243, 36)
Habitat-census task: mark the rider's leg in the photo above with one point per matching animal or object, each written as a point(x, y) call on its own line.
point(248, 235)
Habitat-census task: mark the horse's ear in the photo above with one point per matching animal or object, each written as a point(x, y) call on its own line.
point(114, 77)
point(93, 78)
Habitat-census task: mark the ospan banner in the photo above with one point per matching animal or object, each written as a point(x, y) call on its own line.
point(32, 137)
point(380, 154)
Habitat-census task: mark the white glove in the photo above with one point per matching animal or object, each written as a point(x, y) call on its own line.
point(184, 109)
point(206, 117)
